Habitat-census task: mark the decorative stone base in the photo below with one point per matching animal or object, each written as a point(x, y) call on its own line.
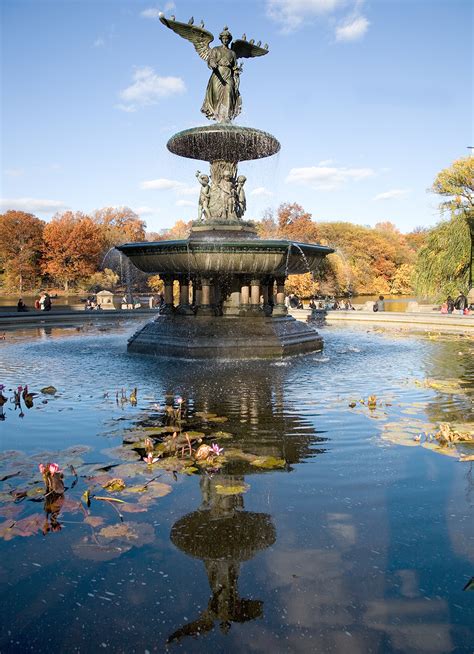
point(197, 337)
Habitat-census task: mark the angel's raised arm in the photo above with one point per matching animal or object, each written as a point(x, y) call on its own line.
point(198, 36)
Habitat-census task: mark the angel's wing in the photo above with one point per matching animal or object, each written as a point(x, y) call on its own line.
point(198, 36)
point(247, 49)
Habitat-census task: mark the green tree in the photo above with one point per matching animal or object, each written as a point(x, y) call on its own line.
point(443, 262)
point(457, 184)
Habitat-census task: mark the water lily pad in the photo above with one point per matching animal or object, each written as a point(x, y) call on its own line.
point(94, 520)
point(221, 435)
point(115, 485)
point(268, 462)
point(205, 415)
point(49, 390)
point(231, 489)
point(217, 419)
point(124, 452)
point(136, 534)
point(25, 527)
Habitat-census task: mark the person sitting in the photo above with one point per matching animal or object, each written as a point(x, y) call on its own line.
point(450, 303)
point(380, 304)
point(21, 306)
point(460, 303)
point(444, 307)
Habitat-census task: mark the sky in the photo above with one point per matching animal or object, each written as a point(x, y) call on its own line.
point(368, 98)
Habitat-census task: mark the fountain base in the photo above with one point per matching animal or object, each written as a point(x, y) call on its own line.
point(249, 337)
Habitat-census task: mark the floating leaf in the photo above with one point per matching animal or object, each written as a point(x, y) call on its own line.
point(221, 435)
point(232, 489)
point(94, 520)
point(129, 533)
point(114, 485)
point(268, 462)
point(25, 527)
point(49, 390)
point(470, 584)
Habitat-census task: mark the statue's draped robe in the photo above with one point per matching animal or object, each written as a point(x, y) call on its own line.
point(222, 101)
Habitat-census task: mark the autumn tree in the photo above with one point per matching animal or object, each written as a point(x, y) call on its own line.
point(73, 244)
point(180, 229)
point(20, 249)
point(120, 225)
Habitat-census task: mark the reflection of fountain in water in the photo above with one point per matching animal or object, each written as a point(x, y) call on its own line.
point(222, 535)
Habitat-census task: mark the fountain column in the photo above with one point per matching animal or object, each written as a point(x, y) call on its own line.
point(184, 308)
point(205, 308)
point(255, 296)
point(267, 290)
point(244, 296)
point(280, 307)
point(168, 306)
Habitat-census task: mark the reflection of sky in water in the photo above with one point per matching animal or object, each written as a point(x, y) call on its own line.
point(358, 545)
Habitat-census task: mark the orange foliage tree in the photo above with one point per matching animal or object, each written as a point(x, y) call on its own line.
point(72, 246)
point(119, 225)
point(20, 249)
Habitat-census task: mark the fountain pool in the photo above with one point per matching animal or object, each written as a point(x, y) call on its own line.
point(360, 540)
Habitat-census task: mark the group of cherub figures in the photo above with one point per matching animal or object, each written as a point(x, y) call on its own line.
point(230, 203)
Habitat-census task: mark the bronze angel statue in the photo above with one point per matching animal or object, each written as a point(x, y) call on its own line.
point(222, 101)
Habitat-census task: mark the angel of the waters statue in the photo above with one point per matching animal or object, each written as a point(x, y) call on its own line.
point(222, 101)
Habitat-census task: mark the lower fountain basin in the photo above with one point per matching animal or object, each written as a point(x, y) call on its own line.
point(211, 257)
point(225, 337)
point(223, 142)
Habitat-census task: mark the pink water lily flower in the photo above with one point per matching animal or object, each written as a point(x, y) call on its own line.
point(42, 468)
point(179, 400)
point(149, 458)
point(53, 468)
point(216, 449)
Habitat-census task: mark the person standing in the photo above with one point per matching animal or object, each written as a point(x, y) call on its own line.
point(460, 303)
point(47, 302)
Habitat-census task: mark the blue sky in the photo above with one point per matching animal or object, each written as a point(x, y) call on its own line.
point(369, 99)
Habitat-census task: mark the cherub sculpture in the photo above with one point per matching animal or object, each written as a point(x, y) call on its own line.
point(204, 196)
point(227, 195)
point(222, 101)
point(241, 204)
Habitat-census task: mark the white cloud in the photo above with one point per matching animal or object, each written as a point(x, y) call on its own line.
point(144, 211)
point(148, 88)
point(291, 14)
point(161, 184)
point(154, 12)
point(187, 190)
point(261, 191)
point(99, 42)
point(325, 178)
point(391, 195)
point(352, 29)
point(326, 162)
point(32, 205)
point(185, 203)
point(14, 172)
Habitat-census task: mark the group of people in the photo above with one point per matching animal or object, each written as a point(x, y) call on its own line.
point(460, 304)
point(43, 303)
point(331, 304)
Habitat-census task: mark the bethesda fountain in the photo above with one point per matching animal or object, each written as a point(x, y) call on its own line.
point(231, 283)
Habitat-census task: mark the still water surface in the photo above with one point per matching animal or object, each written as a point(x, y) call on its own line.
point(357, 544)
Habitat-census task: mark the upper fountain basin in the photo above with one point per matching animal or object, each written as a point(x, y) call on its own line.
point(208, 257)
point(223, 141)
